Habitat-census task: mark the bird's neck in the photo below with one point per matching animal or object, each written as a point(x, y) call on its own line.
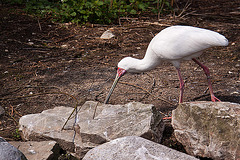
point(145, 64)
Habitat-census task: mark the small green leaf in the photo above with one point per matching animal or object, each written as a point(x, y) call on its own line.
point(133, 11)
point(100, 3)
point(141, 6)
point(73, 14)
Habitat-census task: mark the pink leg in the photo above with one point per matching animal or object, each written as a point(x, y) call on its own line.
point(181, 85)
point(206, 70)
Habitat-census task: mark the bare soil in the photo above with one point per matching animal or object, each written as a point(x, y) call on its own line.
point(45, 64)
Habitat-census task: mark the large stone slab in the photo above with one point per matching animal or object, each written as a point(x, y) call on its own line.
point(47, 126)
point(98, 124)
point(38, 150)
point(133, 147)
point(114, 121)
point(208, 129)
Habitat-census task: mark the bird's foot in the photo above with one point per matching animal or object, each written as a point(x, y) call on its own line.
point(214, 99)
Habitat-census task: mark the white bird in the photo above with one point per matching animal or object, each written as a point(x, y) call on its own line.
point(173, 44)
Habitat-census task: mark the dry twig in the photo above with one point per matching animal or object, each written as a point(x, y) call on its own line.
point(13, 118)
point(95, 110)
point(39, 25)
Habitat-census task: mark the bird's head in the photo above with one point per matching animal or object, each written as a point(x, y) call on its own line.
point(130, 65)
point(127, 64)
point(120, 72)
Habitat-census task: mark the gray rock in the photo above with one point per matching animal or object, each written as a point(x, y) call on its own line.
point(208, 129)
point(9, 152)
point(114, 121)
point(38, 150)
point(98, 124)
point(134, 148)
point(48, 126)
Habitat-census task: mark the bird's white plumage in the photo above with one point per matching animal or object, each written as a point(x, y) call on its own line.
point(174, 44)
point(178, 42)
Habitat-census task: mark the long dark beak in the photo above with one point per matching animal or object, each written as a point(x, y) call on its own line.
point(120, 73)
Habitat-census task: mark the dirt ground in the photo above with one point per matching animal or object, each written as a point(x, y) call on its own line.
point(45, 64)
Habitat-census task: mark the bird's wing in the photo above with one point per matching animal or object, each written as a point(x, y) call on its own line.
point(180, 43)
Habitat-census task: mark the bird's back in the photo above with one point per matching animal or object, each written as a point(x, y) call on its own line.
point(184, 42)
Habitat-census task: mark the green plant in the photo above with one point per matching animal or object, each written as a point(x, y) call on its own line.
point(97, 11)
point(93, 11)
point(16, 135)
point(14, 2)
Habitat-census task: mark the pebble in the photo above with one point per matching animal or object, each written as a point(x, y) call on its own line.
point(64, 46)
point(107, 35)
